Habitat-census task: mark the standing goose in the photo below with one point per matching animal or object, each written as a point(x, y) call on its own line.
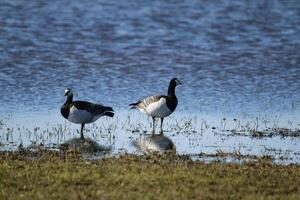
point(82, 112)
point(159, 106)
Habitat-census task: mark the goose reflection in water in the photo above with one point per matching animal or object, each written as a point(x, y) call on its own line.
point(86, 145)
point(157, 143)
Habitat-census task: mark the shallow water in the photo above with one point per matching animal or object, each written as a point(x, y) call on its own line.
point(191, 136)
point(235, 59)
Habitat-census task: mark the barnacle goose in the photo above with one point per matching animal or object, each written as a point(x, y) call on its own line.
point(82, 112)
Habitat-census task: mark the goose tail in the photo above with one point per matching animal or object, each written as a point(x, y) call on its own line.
point(134, 105)
point(109, 112)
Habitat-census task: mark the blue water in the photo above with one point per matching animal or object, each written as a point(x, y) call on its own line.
point(229, 55)
point(235, 58)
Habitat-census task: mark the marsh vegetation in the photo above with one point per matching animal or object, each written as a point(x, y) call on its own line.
point(199, 137)
point(57, 175)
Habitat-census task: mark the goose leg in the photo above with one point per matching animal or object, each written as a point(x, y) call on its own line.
point(81, 132)
point(153, 131)
point(161, 125)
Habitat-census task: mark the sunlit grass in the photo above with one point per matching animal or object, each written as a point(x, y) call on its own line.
point(55, 175)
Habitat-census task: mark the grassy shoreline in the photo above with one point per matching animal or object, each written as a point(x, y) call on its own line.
point(56, 175)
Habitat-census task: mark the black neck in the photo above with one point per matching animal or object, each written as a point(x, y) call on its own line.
point(69, 99)
point(171, 89)
point(65, 109)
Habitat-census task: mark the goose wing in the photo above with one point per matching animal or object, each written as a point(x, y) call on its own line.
point(96, 109)
point(143, 104)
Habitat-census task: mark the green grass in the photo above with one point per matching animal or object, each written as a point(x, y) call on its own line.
point(53, 175)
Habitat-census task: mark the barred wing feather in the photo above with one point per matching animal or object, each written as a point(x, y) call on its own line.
point(143, 104)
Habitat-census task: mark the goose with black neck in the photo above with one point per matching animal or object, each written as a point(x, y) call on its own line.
point(83, 112)
point(159, 106)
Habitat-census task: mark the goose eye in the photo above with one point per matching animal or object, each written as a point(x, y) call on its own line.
point(67, 93)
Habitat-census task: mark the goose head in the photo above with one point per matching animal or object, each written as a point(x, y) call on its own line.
point(68, 92)
point(175, 82)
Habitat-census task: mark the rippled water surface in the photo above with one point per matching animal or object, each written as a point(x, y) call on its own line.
point(235, 58)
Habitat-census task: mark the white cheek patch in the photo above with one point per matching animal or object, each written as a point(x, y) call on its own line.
point(68, 92)
point(158, 109)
